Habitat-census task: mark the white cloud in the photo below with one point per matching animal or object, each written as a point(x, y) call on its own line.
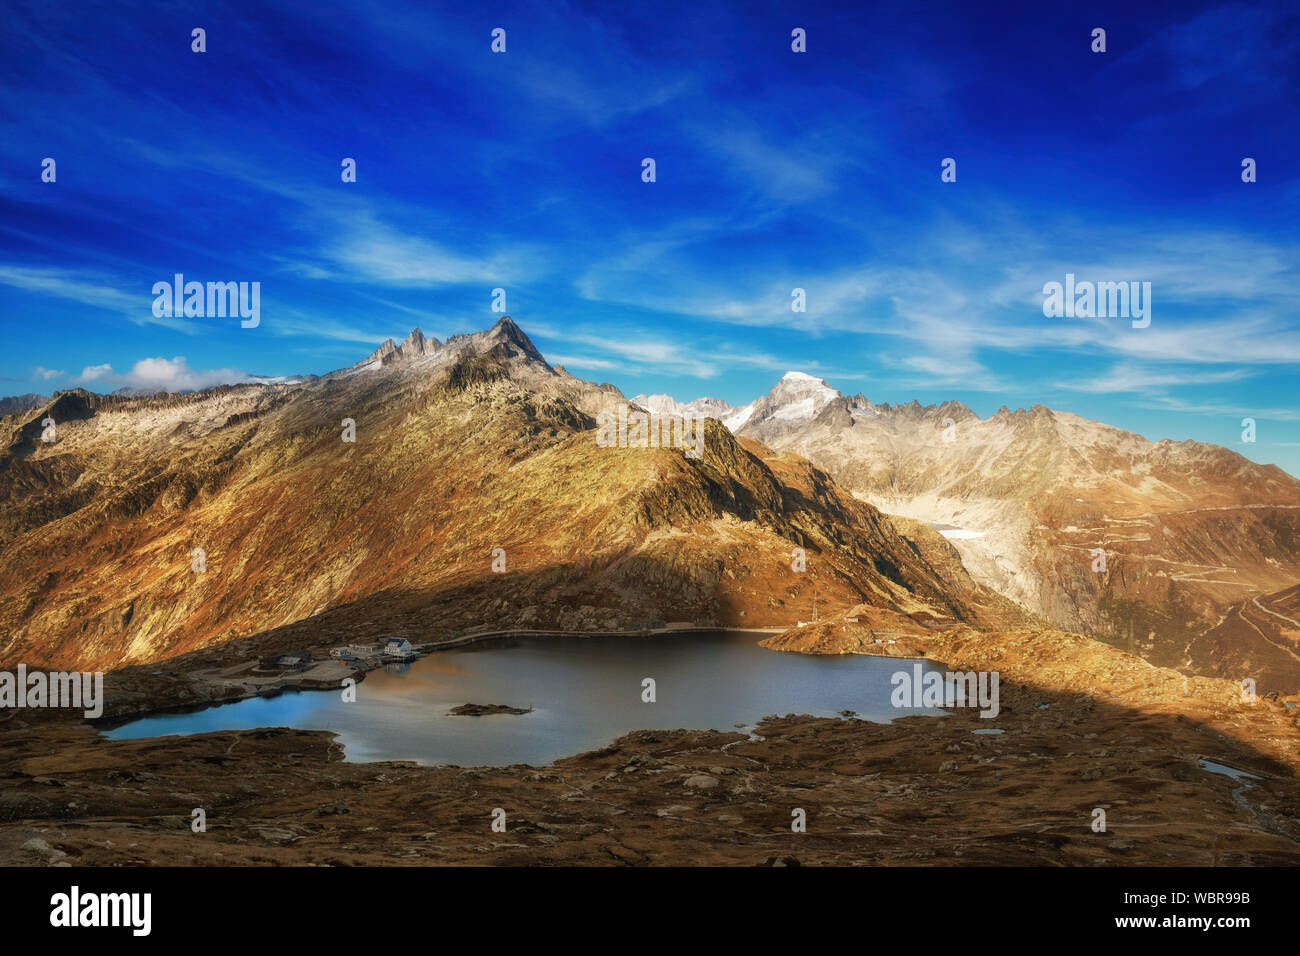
point(95, 373)
point(168, 375)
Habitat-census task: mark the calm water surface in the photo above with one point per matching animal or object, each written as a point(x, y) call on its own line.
point(585, 692)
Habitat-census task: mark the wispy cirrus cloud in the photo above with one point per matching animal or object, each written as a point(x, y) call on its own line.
point(88, 288)
point(1135, 378)
point(775, 171)
point(1218, 298)
point(1263, 409)
point(377, 252)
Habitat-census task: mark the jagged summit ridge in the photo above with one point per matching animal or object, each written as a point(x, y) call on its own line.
point(415, 345)
point(505, 334)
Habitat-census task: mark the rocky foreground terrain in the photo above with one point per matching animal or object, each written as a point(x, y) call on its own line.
point(1085, 726)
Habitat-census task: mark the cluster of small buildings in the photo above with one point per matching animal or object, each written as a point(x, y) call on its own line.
point(395, 647)
point(354, 652)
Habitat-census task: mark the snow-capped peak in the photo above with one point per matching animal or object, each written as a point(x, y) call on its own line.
point(798, 397)
point(803, 385)
point(667, 405)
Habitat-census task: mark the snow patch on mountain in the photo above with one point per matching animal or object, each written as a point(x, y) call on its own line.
point(804, 408)
point(738, 417)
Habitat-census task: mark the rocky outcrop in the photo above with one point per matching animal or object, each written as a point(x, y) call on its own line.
point(485, 710)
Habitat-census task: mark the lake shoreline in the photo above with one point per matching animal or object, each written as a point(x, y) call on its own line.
point(770, 687)
point(140, 692)
point(1115, 731)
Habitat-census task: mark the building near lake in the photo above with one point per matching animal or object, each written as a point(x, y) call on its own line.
point(356, 652)
point(398, 647)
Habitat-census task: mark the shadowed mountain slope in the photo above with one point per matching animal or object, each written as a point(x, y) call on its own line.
point(155, 526)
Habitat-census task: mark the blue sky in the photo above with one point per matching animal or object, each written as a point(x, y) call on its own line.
point(775, 170)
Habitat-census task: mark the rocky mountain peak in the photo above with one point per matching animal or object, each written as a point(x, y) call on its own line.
point(417, 344)
point(803, 384)
point(506, 333)
point(507, 336)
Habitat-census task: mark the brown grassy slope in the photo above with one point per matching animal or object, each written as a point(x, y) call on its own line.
point(397, 529)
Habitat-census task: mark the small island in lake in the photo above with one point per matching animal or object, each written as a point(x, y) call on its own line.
point(480, 710)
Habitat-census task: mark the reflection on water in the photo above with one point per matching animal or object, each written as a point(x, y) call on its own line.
point(584, 693)
point(1221, 768)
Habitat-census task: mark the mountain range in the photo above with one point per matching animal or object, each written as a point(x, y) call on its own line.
point(1183, 552)
point(437, 487)
point(472, 495)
